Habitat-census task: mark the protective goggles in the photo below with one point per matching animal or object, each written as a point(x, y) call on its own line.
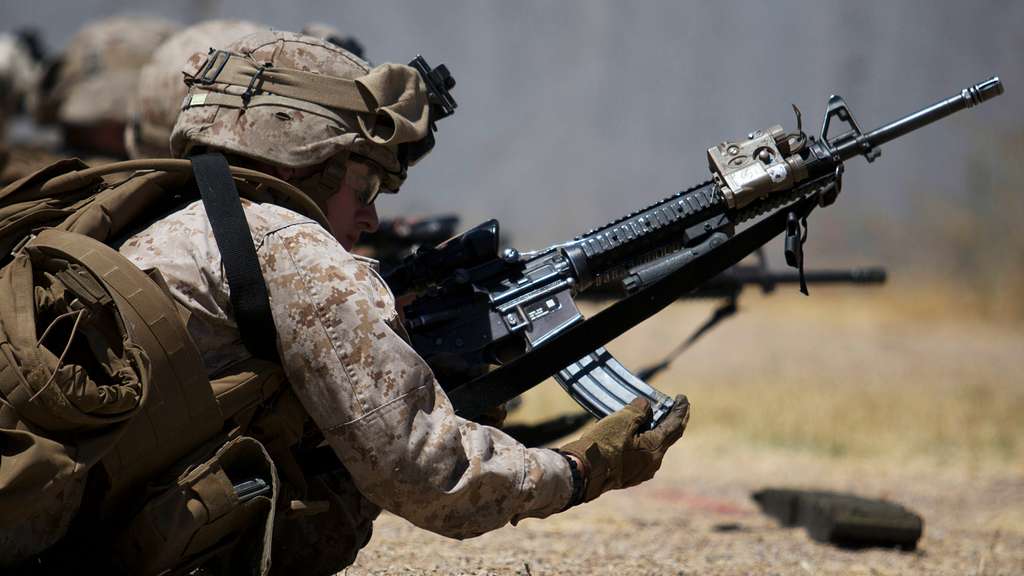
point(365, 178)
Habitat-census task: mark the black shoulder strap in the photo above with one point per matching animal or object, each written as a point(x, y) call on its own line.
point(231, 231)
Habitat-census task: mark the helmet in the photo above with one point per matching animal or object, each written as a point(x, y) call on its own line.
point(95, 78)
point(296, 101)
point(162, 86)
point(334, 36)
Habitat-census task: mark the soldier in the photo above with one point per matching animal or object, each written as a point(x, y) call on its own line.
point(90, 89)
point(334, 36)
point(19, 76)
point(312, 114)
point(161, 87)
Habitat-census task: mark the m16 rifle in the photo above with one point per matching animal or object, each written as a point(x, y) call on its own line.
point(481, 305)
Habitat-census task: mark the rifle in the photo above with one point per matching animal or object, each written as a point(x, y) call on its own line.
point(480, 305)
point(729, 284)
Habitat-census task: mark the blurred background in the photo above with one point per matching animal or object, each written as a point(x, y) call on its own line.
point(572, 113)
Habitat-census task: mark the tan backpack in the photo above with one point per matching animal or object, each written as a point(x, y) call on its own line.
point(105, 408)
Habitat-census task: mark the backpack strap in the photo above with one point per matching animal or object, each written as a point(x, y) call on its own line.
point(281, 193)
point(249, 297)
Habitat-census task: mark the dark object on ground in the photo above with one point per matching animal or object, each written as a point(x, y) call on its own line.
point(729, 527)
point(548, 431)
point(845, 520)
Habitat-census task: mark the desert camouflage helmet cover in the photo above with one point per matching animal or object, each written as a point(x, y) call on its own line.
point(293, 100)
point(162, 83)
point(96, 77)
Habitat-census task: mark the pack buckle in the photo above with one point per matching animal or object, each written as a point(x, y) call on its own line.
point(215, 62)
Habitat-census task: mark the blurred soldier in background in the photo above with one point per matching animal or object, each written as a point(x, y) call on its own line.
point(90, 89)
point(87, 92)
point(334, 36)
point(20, 69)
point(161, 86)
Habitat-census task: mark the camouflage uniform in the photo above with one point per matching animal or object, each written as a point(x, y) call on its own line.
point(343, 350)
point(340, 340)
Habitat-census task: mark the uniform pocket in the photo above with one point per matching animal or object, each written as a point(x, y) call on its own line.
point(217, 512)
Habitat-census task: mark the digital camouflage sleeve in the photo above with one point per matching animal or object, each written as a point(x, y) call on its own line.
point(343, 350)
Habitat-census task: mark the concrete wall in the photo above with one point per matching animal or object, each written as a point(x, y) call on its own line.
point(573, 112)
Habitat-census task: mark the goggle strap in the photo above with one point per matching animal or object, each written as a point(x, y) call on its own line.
point(332, 176)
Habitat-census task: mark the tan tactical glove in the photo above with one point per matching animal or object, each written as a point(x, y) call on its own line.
point(615, 453)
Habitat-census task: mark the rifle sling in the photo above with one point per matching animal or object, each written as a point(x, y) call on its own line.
point(249, 297)
point(721, 313)
point(512, 379)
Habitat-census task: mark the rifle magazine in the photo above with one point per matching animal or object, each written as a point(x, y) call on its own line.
point(602, 385)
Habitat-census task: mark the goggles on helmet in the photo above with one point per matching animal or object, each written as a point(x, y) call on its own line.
point(365, 178)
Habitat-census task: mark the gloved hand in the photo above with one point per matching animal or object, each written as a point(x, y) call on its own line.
point(615, 453)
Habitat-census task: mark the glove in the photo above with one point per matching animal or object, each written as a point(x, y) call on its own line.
point(615, 453)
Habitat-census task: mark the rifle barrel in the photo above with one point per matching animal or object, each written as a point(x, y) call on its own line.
point(852, 276)
point(968, 97)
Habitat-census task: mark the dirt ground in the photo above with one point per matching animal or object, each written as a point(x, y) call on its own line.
point(882, 394)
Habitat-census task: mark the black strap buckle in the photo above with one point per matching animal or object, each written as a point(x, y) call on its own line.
point(252, 87)
point(215, 62)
